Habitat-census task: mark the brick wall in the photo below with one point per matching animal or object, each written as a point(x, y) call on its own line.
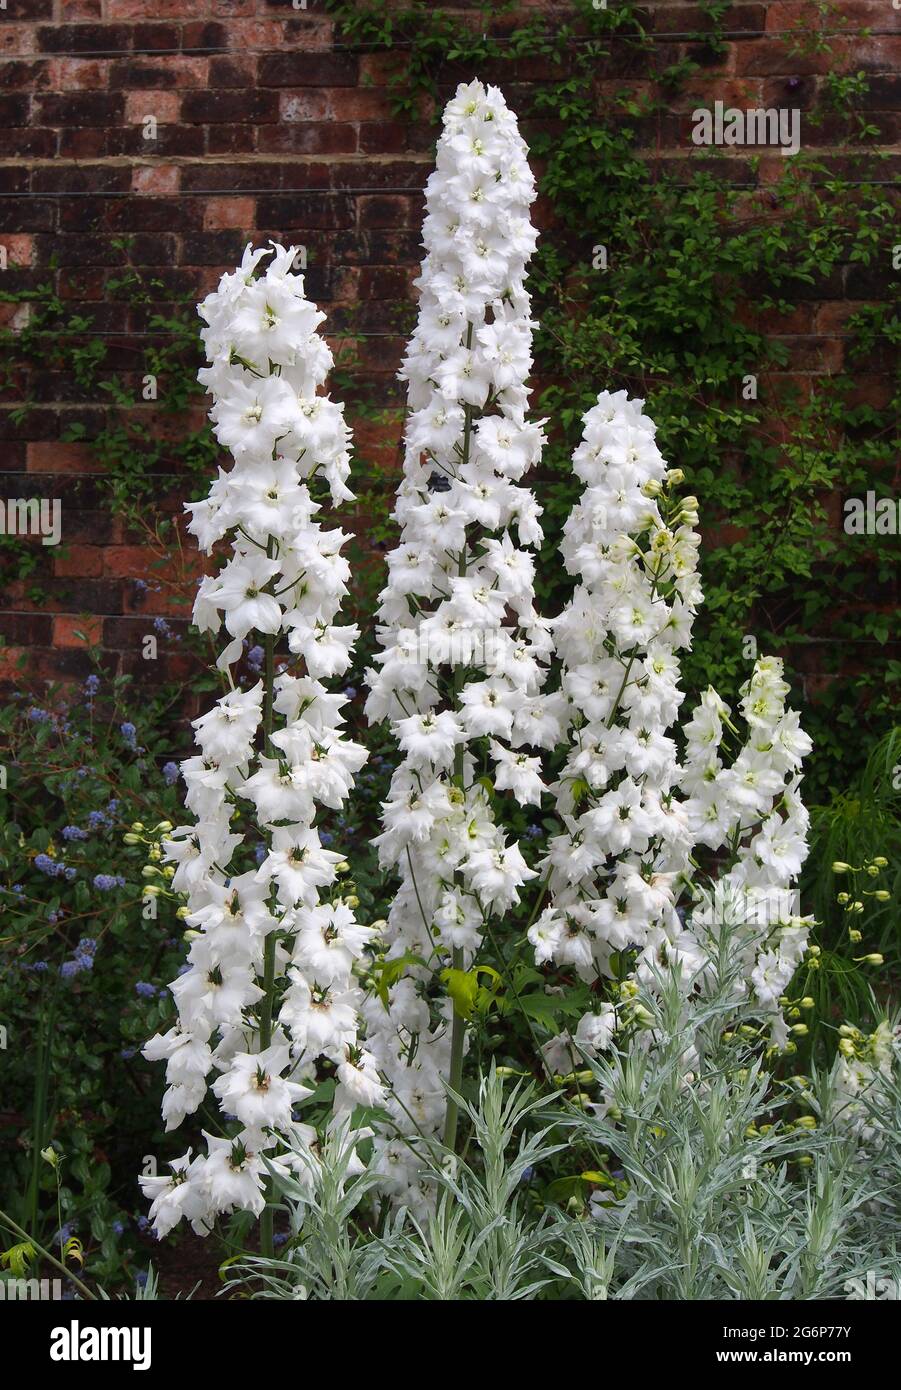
point(268, 125)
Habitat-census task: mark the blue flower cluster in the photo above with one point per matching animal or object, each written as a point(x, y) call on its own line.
point(148, 991)
point(82, 958)
point(53, 868)
point(104, 883)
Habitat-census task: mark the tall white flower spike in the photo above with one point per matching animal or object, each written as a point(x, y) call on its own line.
point(636, 813)
point(268, 987)
point(463, 651)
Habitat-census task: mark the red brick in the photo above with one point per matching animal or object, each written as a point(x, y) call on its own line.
point(78, 74)
point(377, 441)
point(378, 68)
point(102, 109)
point(389, 210)
point(19, 248)
point(157, 72)
point(51, 457)
point(833, 318)
point(129, 561)
point(13, 663)
point(799, 319)
point(304, 106)
point(809, 16)
point(20, 39)
point(230, 139)
point(147, 9)
point(232, 9)
point(79, 561)
point(308, 70)
point(307, 137)
point(155, 178)
point(66, 629)
point(360, 104)
point(163, 105)
point(700, 90)
point(302, 31)
point(75, 10)
point(238, 70)
point(228, 212)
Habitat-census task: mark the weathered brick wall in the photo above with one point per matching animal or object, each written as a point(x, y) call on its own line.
point(267, 126)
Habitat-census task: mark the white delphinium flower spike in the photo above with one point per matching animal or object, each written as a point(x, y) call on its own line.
point(463, 651)
point(636, 816)
point(614, 872)
point(268, 987)
point(751, 816)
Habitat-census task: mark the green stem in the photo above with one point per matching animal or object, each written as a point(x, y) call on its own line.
point(455, 1079)
point(267, 1245)
point(458, 1026)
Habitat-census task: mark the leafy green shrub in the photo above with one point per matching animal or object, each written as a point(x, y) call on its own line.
point(82, 951)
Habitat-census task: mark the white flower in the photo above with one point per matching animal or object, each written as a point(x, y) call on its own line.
point(595, 1031)
point(358, 1080)
point(518, 773)
point(266, 963)
point(463, 650)
point(770, 976)
point(637, 822)
point(173, 1197)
